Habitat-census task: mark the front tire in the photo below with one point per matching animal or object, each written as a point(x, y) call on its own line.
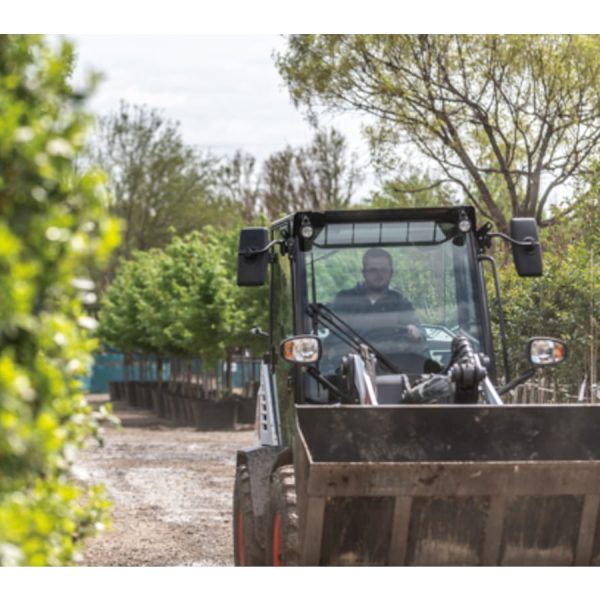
point(247, 552)
point(283, 536)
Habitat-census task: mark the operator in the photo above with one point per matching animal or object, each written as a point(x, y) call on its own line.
point(372, 306)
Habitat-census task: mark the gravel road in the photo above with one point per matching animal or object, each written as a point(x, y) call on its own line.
point(171, 488)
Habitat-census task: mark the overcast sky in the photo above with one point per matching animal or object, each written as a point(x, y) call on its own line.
point(223, 89)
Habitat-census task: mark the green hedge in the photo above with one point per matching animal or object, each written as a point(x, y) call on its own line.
point(53, 226)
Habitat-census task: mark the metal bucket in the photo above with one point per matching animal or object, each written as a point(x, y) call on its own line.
point(449, 485)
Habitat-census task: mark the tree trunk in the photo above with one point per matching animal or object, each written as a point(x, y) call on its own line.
point(593, 349)
point(159, 368)
point(228, 373)
point(127, 366)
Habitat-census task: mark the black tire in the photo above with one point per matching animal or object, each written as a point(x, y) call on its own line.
point(246, 549)
point(283, 535)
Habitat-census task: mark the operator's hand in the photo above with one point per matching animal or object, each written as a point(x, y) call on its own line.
point(414, 333)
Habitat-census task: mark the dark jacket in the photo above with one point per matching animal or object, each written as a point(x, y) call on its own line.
point(383, 322)
point(356, 300)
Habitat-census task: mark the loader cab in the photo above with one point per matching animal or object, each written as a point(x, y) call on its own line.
point(407, 282)
point(318, 260)
point(386, 277)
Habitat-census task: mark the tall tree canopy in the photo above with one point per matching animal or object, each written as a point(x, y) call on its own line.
point(159, 183)
point(508, 118)
point(415, 189)
point(319, 176)
point(239, 184)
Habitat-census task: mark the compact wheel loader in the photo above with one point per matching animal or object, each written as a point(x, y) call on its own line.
point(383, 438)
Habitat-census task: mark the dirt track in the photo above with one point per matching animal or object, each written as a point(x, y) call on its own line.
point(172, 492)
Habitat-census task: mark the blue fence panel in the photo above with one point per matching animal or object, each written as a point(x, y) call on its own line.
point(241, 372)
point(107, 367)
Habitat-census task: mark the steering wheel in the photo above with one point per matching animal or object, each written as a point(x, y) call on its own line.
point(397, 342)
point(391, 334)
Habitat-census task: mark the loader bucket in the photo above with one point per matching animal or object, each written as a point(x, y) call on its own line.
point(448, 485)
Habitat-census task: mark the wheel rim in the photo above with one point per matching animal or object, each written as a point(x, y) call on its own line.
point(277, 540)
point(240, 539)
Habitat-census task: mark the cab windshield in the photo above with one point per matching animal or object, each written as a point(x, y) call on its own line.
point(405, 287)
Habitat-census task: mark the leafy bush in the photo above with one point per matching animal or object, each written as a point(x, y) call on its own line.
point(183, 301)
point(559, 304)
point(52, 224)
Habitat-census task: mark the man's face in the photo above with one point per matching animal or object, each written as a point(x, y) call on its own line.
point(377, 272)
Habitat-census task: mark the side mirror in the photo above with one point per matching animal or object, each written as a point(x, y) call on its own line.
point(546, 352)
point(527, 256)
point(253, 258)
point(301, 350)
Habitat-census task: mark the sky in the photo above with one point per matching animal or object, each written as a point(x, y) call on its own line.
point(224, 90)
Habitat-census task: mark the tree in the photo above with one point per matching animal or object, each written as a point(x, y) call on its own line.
point(160, 185)
point(182, 302)
point(560, 304)
point(177, 301)
point(319, 176)
point(239, 184)
point(53, 223)
point(519, 111)
point(417, 190)
point(563, 303)
point(134, 304)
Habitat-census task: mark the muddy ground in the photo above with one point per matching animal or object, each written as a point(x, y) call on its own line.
point(171, 488)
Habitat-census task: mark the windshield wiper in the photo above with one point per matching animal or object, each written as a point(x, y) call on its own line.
point(346, 333)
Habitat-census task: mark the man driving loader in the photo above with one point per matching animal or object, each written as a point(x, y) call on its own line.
point(383, 316)
point(372, 306)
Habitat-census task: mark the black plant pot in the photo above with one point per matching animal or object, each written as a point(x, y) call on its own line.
point(214, 415)
point(245, 411)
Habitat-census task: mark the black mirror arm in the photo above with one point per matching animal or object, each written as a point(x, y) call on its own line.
point(528, 241)
point(258, 331)
point(516, 381)
point(251, 252)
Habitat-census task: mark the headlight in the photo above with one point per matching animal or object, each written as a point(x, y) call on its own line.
point(303, 349)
